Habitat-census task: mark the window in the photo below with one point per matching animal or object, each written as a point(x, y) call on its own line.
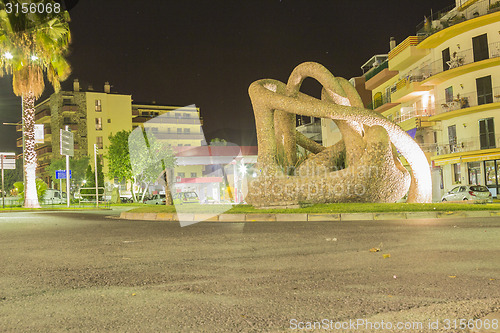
point(193, 174)
point(446, 59)
point(186, 115)
point(448, 92)
point(188, 145)
point(487, 133)
point(67, 120)
point(377, 100)
point(181, 174)
point(98, 124)
point(98, 105)
point(109, 121)
point(484, 91)
point(179, 130)
point(452, 137)
point(187, 130)
point(168, 130)
point(480, 47)
point(177, 115)
point(99, 142)
point(456, 173)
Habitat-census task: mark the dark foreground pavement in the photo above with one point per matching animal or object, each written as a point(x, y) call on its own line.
point(63, 271)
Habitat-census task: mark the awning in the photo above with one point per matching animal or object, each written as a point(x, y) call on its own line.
point(467, 158)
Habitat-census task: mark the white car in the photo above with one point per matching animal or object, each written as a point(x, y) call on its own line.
point(157, 199)
point(54, 197)
point(468, 192)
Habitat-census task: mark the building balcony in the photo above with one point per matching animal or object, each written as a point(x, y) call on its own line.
point(381, 104)
point(43, 150)
point(467, 103)
point(168, 120)
point(179, 136)
point(381, 77)
point(42, 116)
point(411, 118)
point(408, 88)
point(461, 63)
point(69, 108)
point(73, 127)
point(406, 53)
point(451, 22)
point(464, 150)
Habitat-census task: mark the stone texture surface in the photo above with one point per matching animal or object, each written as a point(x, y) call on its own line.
point(369, 142)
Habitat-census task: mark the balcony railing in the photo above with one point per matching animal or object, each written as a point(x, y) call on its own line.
point(450, 16)
point(378, 102)
point(458, 59)
point(42, 114)
point(461, 145)
point(467, 100)
point(372, 72)
point(414, 113)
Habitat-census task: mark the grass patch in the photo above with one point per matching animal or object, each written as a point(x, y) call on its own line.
point(331, 208)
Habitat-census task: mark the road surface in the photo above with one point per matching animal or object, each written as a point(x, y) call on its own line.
point(82, 271)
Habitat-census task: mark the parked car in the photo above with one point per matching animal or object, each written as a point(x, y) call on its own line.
point(156, 199)
point(468, 192)
point(185, 197)
point(54, 197)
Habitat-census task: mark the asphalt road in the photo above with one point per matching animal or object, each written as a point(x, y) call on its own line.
point(66, 271)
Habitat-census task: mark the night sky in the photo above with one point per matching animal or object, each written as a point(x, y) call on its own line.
point(208, 52)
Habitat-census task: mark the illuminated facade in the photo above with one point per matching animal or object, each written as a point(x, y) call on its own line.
point(93, 116)
point(443, 88)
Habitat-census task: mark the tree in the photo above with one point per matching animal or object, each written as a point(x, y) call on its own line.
point(90, 177)
point(41, 188)
point(218, 142)
point(33, 43)
point(77, 166)
point(119, 158)
point(140, 158)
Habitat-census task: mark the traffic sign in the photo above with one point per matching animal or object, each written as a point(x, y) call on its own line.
point(9, 161)
point(67, 143)
point(39, 133)
point(61, 174)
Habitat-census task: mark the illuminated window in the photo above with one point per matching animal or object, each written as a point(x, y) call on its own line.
point(448, 92)
point(98, 124)
point(456, 172)
point(99, 142)
point(98, 105)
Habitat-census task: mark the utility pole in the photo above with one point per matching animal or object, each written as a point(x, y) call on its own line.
point(96, 181)
point(67, 174)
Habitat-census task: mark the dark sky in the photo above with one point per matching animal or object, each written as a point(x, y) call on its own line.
point(208, 52)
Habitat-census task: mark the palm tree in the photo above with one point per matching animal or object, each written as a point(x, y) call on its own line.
point(32, 44)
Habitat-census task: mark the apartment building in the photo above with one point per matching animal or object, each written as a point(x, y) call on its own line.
point(93, 116)
point(442, 86)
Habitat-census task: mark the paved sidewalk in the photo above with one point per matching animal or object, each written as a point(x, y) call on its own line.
point(302, 217)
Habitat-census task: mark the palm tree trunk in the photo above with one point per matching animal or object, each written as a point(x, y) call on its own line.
point(29, 153)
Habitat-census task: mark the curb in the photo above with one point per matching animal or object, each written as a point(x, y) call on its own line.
point(305, 217)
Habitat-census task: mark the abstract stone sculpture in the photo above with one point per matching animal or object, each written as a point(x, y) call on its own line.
point(370, 142)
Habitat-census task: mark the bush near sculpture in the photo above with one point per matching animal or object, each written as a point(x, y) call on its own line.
point(369, 141)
